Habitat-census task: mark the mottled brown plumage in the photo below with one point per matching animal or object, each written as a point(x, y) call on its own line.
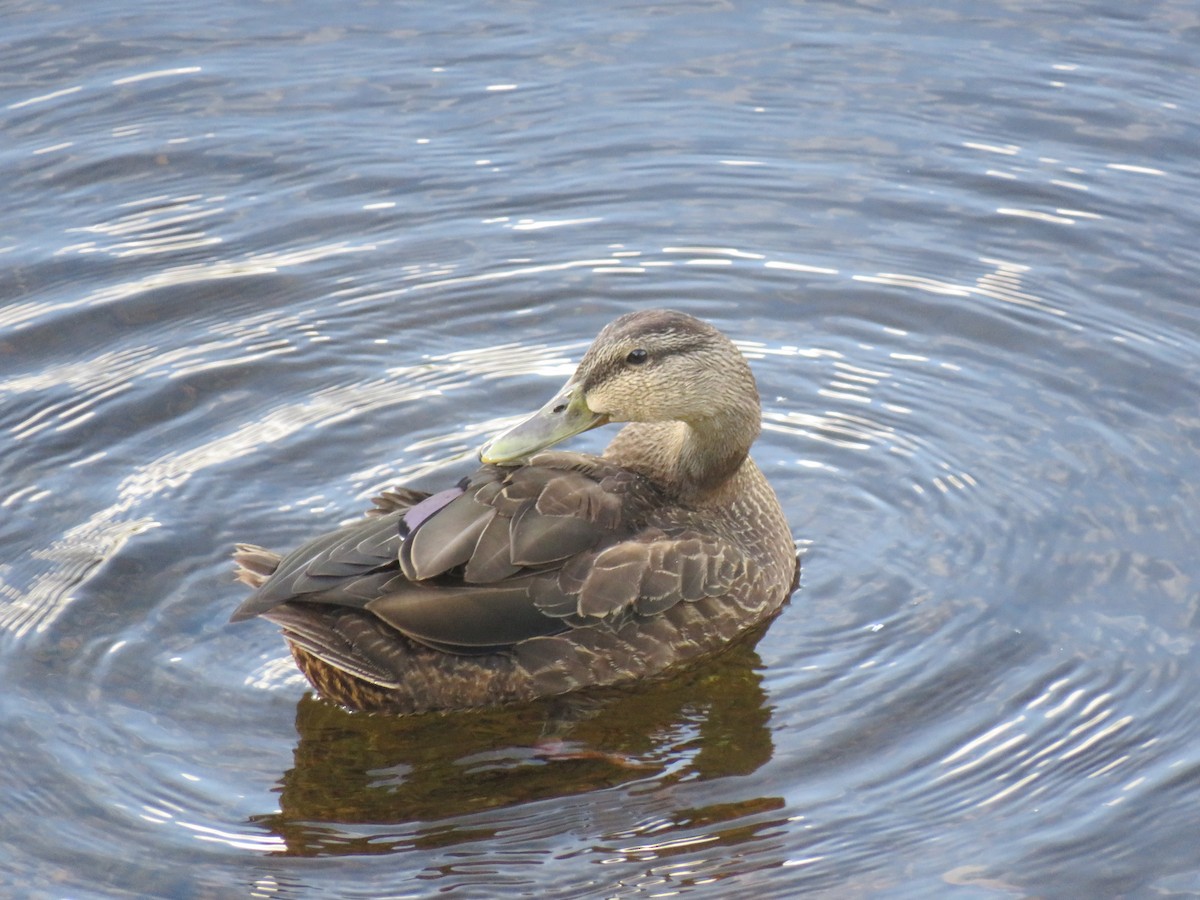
point(546, 572)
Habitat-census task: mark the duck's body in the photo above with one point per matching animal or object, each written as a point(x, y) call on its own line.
point(542, 575)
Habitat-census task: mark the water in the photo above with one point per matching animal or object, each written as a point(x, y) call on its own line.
point(261, 260)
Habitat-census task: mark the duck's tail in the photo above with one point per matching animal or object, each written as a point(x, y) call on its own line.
point(254, 564)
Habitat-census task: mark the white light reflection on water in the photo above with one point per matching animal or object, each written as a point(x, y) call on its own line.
point(1002, 283)
point(156, 227)
point(159, 73)
point(259, 843)
point(1025, 747)
point(69, 562)
point(45, 98)
point(18, 315)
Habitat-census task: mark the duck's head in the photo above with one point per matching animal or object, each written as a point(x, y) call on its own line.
point(656, 365)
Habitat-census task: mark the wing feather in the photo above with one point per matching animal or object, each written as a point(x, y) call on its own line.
point(513, 558)
point(445, 540)
point(468, 618)
point(326, 562)
point(491, 561)
point(537, 539)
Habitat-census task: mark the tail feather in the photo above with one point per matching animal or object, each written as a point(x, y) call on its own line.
point(394, 500)
point(254, 565)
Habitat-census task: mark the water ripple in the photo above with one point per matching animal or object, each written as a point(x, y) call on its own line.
point(238, 299)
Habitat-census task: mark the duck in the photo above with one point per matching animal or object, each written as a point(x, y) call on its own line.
point(547, 571)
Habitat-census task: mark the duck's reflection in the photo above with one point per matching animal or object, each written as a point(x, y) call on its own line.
point(353, 770)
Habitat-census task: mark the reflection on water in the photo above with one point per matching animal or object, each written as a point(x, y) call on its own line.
point(357, 778)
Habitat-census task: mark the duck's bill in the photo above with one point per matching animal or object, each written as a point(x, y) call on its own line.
point(566, 415)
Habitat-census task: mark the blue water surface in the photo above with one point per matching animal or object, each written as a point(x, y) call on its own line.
point(259, 260)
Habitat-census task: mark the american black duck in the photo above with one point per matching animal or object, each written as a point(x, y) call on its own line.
point(547, 571)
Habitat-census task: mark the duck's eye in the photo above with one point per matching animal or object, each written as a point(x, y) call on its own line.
point(637, 357)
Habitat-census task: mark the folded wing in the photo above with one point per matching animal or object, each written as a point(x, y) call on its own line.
point(510, 555)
